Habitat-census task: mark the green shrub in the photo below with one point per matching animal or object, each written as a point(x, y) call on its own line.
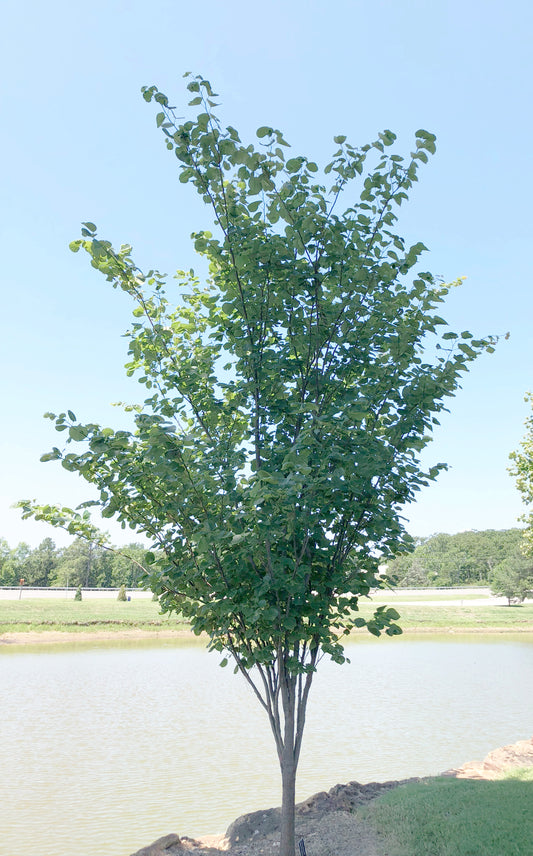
point(122, 593)
point(78, 595)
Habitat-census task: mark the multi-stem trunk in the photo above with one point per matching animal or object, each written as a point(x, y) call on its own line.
point(285, 701)
point(294, 690)
point(288, 764)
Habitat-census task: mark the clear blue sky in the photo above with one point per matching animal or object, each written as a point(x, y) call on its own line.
point(79, 143)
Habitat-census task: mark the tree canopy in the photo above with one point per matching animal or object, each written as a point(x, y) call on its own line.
point(288, 399)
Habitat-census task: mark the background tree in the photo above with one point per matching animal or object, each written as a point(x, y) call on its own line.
point(288, 402)
point(122, 593)
point(467, 558)
point(41, 563)
point(513, 578)
point(127, 565)
point(409, 572)
point(13, 563)
point(90, 560)
point(6, 569)
point(522, 470)
point(80, 565)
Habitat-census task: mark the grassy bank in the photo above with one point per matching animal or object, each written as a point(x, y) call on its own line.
point(456, 817)
point(86, 616)
point(89, 616)
point(456, 616)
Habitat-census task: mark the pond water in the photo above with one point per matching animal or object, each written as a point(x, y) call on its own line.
point(105, 748)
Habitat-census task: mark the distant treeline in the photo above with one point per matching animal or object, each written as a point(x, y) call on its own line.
point(80, 564)
point(468, 558)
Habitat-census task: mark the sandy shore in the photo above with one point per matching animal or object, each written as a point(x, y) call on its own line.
point(54, 637)
point(57, 637)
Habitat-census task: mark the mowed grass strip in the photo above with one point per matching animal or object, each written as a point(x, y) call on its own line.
point(456, 616)
point(455, 817)
point(89, 615)
point(403, 596)
point(40, 614)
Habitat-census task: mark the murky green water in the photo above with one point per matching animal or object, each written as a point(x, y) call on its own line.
point(104, 749)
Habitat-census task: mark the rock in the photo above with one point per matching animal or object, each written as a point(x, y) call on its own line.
point(498, 761)
point(168, 845)
point(346, 797)
point(254, 823)
point(339, 798)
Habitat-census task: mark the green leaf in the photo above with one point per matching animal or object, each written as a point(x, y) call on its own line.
point(54, 455)
point(77, 433)
point(148, 92)
point(293, 164)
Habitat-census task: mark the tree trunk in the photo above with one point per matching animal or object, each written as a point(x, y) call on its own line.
point(293, 692)
point(288, 764)
point(288, 782)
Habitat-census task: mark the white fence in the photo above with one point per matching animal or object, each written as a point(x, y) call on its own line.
point(27, 592)
point(18, 592)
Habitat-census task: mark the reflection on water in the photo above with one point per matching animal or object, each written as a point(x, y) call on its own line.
point(106, 748)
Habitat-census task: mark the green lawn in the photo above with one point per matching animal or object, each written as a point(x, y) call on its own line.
point(41, 614)
point(83, 616)
point(456, 817)
point(456, 616)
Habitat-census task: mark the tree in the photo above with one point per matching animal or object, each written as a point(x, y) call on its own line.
point(41, 563)
point(7, 572)
point(522, 470)
point(288, 401)
point(408, 571)
point(78, 565)
point(127, 565)
point(513, 578)
point(13, 563)
point(122, 593)
point(466, 558)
